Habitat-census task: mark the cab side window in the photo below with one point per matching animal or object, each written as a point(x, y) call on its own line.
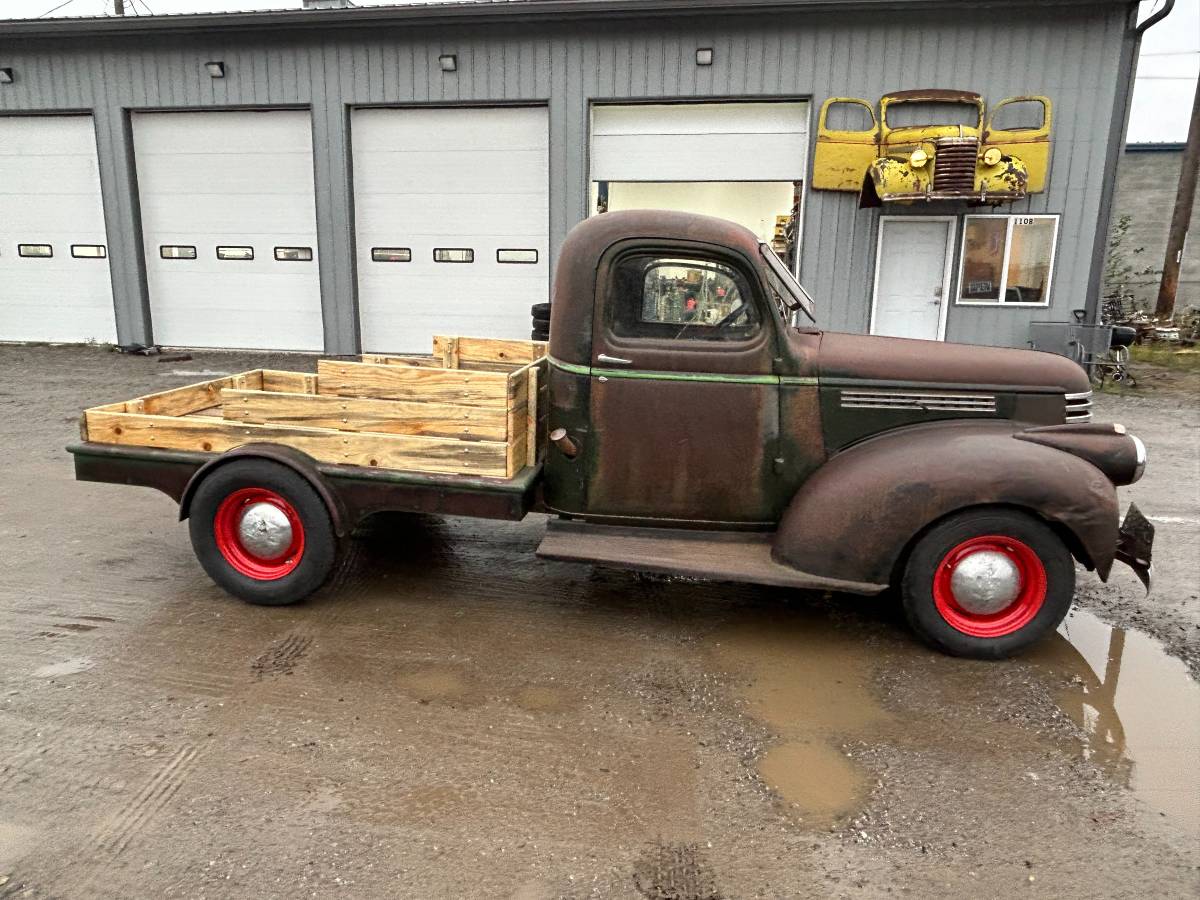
point(681, 298)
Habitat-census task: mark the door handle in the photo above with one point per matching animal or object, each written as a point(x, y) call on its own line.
point(614, 360)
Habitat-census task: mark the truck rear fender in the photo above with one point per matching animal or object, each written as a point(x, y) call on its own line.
point(298, 461)
point(855, 518)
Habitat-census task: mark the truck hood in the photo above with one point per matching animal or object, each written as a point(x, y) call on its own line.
point(860, 357)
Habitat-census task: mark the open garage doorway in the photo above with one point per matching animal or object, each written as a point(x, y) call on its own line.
point(742, 161)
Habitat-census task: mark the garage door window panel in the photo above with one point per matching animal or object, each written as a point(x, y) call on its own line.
point(454, 255)
point(518, 257)
point(35, 251)
point(293, 254)
point(176, 251)
point(681, 298)
point(235, 253)
point(391, 254)
point(1007, 260)
point(89, 251)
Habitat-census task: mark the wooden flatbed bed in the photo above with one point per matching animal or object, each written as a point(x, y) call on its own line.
point(475, 408)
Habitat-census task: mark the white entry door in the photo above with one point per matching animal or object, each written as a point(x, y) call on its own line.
point(54, 278)
point(912, 276)
point(452, 220)
point(229, 223)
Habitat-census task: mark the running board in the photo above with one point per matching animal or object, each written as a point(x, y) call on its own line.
point(711, 555)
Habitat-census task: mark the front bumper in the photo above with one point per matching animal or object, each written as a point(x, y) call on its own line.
point(1135, 544)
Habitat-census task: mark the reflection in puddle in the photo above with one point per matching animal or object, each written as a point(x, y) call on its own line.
point(1139, 709)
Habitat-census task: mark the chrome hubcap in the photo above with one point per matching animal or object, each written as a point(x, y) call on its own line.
point(985, 582)
point(264, 530)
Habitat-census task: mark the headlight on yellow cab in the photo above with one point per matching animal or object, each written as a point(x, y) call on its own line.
point(919, 158)
point(991, 156)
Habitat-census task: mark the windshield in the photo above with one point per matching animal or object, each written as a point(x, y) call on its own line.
point(788, 291)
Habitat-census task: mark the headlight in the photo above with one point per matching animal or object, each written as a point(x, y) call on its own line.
point(919, 158)
point(991, 156)
point(1139, 458)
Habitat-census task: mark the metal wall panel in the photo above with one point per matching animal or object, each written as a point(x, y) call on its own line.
point(1069, 53)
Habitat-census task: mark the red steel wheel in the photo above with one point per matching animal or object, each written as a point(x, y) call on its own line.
point(259, 533)
point(990, 586)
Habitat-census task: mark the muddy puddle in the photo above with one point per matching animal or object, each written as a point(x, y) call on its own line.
point(815, 687)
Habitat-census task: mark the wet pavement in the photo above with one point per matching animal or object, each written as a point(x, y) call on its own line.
point(452, 717)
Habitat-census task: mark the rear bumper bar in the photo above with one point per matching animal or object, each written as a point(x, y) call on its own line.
point(1136, 543)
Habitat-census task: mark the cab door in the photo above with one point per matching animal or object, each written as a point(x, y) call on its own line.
point(843, 155)
point(684, 398)
point(1020, 127)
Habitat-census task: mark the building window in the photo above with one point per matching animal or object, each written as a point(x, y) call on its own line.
point(293, 254)
point(516, 256)
point(391, 254)
point(89, 251)
point(1007, 260)
point(176, 251)
point(454, 255)
point(235, 253)
point(39, 251)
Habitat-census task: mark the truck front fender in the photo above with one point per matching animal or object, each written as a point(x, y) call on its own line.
point(296, 460)
point(856, 516)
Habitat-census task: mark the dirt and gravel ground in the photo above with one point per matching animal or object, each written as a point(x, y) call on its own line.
point(454, 718)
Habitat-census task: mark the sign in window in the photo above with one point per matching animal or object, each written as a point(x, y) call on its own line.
point(1007, 260)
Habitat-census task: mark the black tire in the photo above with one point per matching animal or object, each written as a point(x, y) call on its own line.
point(317, 554)
point(540, 312)
point(539, 335)
point(1029, 543)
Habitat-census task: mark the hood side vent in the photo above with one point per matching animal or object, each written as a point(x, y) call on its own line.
point(947, 402)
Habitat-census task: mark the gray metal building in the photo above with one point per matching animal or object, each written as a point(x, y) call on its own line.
point(341, 179)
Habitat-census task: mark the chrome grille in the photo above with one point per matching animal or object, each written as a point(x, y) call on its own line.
point(941, 402)
point(1079, 407)
point(954, 164)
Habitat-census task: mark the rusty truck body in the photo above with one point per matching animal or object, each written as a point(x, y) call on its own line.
point(690, 418)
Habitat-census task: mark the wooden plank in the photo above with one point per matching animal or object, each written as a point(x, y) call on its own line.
point(189, 398)
point(363, 414)
point(531, 418)
point(389, 451)
point(517, 431)
point(384, 359)
point(289, 382)
point(449, 352)
point(350, 379)
point(491, 349)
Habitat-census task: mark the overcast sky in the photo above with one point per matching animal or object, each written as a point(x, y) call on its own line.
point(1162, 98)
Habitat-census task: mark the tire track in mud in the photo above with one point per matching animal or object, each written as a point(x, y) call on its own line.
point(115, 835)
point(282, 657)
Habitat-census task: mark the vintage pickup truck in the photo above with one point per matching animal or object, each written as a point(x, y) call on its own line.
point(689, 418)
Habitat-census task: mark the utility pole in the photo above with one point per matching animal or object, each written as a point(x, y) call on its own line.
point(119, 7)
point(1184, 198)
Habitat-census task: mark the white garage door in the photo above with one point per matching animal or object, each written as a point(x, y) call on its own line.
point(451, 212)
point(658, 142)
point(54, 279)
point(229, 221)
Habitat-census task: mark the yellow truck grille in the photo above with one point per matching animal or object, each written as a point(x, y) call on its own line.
point(954, 164)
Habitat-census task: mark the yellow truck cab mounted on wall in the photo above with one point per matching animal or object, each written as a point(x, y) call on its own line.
point(895, 161)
